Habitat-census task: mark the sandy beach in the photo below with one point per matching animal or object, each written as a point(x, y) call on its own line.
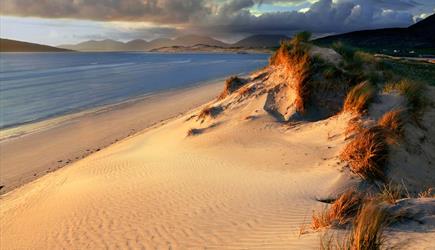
point(245, 183)
point(50, 145)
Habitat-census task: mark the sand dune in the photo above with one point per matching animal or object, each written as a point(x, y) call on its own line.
point(232, 174)
point(244, 183)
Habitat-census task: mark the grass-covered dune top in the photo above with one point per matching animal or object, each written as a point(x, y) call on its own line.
point(307, 83)
point(319, 85)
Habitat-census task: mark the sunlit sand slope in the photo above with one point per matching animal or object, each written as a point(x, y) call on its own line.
point(246, 181)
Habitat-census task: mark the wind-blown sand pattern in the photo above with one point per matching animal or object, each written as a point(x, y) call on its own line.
point(244, 183)
point(48, 146)
point(160, 190)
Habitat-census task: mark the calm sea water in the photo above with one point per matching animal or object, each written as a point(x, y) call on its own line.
point(36, 86)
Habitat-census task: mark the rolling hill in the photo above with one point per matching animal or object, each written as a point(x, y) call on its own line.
point(419, 37)
point(8, 45)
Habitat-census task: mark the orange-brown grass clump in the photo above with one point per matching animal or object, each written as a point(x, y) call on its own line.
point(367, 153)
point(231, 84)
point(301, 71)
point(428, 193)
point(359, 97)
point(341, 211)
point(294, 55)
point(321, 219)
point(394, 123)
point(368, 230)
point(209, 112)
point(354, 126)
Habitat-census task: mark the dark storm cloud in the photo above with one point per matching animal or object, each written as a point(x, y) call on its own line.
point(230, 16)
point(324, 16)
point(160, 11)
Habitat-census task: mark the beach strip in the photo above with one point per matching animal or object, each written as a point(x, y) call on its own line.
point(30, 156)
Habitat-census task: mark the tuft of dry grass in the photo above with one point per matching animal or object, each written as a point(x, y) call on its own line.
point(367, 153)
point(354, 126)
point(301, 72)
point(209, 112)
point(231, 85)
point(359, 97)
point(341, 211)
point(330, 241)
point(314, 80)
point(321, 219)
point(414, 93)
point(294, 56)
point(193, 131)
point(390, 193)
point(346, 206)
point(368, 231)
point(393, 121)
point(245, 90)
point(428, 193)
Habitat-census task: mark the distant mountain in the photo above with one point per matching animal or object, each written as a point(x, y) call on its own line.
point(260, 41)
point(104, 45)
point(191, 40)
point(418, 36)
point(256, 41)
point(209, 48)
point(8, 45)
point(137, 45)
point(160, 42)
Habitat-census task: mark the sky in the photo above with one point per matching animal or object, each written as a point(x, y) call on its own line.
point(56, 22)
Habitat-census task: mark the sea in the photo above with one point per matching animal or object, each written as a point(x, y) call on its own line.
point(39, 86)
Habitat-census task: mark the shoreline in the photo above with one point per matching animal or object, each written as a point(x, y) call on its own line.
point(26, 128)
point(33, 150)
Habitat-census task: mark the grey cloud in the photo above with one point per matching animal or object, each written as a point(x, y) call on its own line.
point(163, 11)
point(226, 17)
point(138, 33)
point(235, 5)
point(324, 16)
